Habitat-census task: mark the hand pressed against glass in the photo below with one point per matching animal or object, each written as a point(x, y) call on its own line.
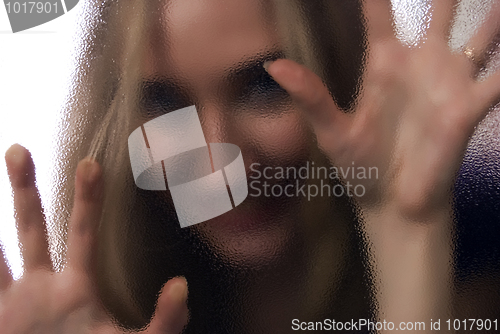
point(416, 112)
point(44, 301)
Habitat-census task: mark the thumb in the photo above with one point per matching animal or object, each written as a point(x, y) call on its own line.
point(308, 92)
point(171, 314)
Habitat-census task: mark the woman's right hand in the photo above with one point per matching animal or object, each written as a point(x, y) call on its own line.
point(45, 301)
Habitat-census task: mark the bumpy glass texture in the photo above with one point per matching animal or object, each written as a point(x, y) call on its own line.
point(411, 19)
point(477, 190)
point(273, 258)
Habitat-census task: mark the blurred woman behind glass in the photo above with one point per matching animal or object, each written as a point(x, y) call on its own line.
point(266, 262)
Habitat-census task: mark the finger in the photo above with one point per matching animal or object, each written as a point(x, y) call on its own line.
point(171, 314)
point(379, 20)
point(85, 217)
point(28, 208)
point(443, 12)
point(482, 46)
point(488, 92)
point(309, 94)
point(5, 275)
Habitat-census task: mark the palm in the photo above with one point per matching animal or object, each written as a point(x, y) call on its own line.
point(52, 303)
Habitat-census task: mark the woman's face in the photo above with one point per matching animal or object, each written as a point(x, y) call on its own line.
point(210, 53)
point(290, 249)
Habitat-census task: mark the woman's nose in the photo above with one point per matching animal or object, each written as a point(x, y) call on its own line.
point(213, 122)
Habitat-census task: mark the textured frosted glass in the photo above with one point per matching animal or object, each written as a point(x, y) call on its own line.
point(268, 259)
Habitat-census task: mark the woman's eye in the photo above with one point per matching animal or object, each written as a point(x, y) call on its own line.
point(159, 97)
point(250, 87)
point(262, 90)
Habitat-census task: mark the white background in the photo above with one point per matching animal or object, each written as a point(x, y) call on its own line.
point(35, 72)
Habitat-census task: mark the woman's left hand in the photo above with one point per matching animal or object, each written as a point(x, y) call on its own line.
point(416, 111)
point(412, 121)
